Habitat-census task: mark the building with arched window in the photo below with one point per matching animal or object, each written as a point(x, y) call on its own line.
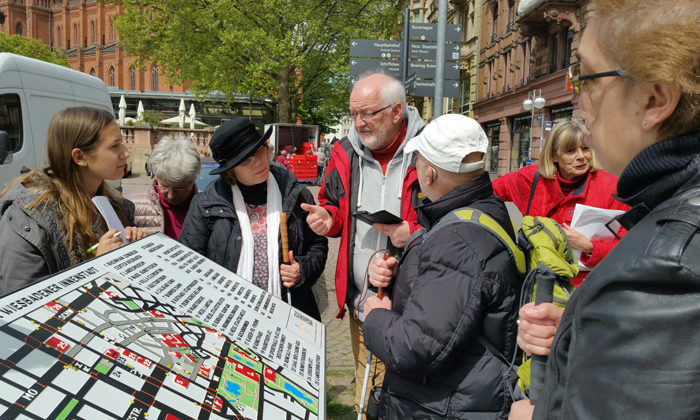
point(154, 78)
point(85, 31)
point(132, 78)
point(524, 49)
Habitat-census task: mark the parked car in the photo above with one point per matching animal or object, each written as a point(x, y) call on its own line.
point(205, 177)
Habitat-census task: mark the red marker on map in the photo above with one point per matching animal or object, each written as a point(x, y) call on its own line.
point(57, 344)
point(181, 381)
point(111, 353)
point(53, 305)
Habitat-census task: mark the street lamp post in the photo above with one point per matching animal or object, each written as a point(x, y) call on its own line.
point(534, 101)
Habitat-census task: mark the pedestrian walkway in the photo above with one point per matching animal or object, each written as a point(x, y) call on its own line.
point(339, 361)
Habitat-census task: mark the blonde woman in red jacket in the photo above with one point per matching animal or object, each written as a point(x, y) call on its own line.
point(568, 174)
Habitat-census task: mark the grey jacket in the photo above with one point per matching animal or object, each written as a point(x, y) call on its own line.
point(31, 241)
point(375, 191)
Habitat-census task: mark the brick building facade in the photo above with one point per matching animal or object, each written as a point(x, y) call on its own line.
point(519, 55)
point(84, 29)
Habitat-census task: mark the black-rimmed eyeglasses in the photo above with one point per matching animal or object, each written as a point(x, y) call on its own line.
point(365, 116)
point(577, 79)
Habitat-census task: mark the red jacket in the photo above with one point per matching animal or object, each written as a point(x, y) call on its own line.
point(549, 201)
point(335, 196)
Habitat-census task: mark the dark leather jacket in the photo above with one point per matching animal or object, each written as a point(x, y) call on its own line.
point(628, 345)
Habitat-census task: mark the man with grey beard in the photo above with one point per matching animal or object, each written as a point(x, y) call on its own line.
point(368, 171)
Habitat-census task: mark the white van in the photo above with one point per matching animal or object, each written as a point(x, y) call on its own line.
point(31, 93)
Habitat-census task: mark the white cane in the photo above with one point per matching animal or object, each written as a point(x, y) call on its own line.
point(380, 295)
point(364, 384)
point(285, 248)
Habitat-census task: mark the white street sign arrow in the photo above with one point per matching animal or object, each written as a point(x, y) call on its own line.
point(375, 48)
point(428, 51)
point(362, 65)
point(427, 88)
point(428, 32)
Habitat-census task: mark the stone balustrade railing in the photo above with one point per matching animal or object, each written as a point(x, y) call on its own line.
point(141, 138)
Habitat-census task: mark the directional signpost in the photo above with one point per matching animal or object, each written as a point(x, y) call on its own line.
point(375, 48)
point(428, 51)
point(426, 69)
point(427, 88)
point(428, 32)
point(421, 66)
point(362, 65)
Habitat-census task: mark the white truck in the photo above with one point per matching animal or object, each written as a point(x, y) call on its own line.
point(31, 93)
point(292, 135)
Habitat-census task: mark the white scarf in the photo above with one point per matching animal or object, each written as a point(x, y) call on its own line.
point(246, 259)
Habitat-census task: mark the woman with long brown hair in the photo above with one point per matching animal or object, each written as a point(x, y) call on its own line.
point(48, 218)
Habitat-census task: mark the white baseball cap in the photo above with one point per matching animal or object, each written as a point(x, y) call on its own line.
point(447, 140)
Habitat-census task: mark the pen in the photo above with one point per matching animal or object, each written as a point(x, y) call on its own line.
point(94, 247)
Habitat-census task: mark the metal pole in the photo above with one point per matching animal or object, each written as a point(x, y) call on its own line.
point(531, 96)
point(404, 46)
point(476, 77)
point(440, 59)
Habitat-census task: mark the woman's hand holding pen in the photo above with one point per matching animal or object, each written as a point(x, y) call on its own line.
point(133, 233)
point(110, 240)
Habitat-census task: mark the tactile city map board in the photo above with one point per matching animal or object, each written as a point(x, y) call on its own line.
point(154, 330)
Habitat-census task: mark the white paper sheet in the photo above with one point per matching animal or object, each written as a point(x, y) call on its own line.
point(105, 207)
point(590, 221)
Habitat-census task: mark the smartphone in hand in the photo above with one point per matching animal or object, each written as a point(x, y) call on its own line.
point(381, 216)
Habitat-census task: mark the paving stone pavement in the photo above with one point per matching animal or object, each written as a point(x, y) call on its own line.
point(339, 361)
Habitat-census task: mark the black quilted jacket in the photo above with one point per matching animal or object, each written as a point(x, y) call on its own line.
point(212, 229)
point(457, 283)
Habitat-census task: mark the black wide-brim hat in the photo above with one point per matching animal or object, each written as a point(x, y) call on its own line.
point(235, 141)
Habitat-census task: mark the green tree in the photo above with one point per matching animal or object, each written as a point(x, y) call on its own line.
point(153, 118)
point(29, 47)
point(278, 49)
point(325, 103)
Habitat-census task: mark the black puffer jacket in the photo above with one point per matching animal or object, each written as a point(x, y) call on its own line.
point(212, 229)
point(456, 283)
point(628, 345)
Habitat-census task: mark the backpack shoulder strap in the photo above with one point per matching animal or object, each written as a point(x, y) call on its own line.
point(532, 191)
point(415, 235)
point(493, 350)
point(478, 217)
